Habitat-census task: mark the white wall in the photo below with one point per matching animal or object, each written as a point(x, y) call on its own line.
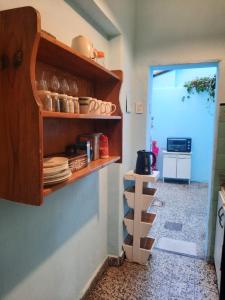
point(51, 252)
point(176, 32)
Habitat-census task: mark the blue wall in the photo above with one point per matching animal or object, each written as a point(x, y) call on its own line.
point(193, 117)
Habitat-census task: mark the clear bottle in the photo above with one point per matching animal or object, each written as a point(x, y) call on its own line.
point(64, 105)
point(55, 102)
point(47, 101)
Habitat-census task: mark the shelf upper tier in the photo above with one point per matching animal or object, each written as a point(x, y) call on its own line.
point(47, 114)
point(92, 167)
point(70, 60)
point(131, 175)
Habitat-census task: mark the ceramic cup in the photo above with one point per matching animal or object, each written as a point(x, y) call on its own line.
point(88, 105)
point(101, 108)
point(110, 108)
point(106, 108)
point(95, 108)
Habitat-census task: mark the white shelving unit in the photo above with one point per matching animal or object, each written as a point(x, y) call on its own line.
point(138, 222)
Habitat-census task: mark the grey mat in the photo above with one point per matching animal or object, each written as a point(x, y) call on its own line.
point(177, 246)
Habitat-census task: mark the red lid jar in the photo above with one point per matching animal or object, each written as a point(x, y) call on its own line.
point(103, 146)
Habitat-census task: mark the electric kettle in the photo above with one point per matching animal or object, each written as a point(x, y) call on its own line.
point(144, 163)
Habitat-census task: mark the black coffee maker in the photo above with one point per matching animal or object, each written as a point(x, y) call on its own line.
point(144, 163)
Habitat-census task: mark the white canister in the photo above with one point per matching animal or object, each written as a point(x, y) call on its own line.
point(83, 45)
point(71, 104)
point(76, 105)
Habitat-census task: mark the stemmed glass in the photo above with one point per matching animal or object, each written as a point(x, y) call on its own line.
point(65, 87)
point(42, 84)
point(55, 85)
point(73, 88)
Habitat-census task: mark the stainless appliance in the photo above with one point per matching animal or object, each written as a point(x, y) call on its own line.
point(219, 234)
point(179, 144)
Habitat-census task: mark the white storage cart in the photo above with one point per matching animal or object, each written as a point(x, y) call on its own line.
point(138, 221)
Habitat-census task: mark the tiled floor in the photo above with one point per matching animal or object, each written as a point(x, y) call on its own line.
point(167, 275)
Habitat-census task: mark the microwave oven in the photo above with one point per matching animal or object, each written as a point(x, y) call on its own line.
point(179, 144)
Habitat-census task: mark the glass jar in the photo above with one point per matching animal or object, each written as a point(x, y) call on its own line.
point(71, 104)
point(55, 102)
point(64, 105)
point(47, 101)
point(76, 105)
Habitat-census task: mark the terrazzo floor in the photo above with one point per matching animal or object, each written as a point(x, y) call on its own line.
point(186, 205)
point(167, 275)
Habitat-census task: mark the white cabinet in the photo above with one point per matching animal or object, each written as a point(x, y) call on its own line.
point(177, 165)
point(169, 166)
point(183, 166)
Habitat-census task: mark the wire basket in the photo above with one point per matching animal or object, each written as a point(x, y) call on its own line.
point(78, 162)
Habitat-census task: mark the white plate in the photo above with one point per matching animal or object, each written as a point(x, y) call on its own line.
point(50, 162)
point(51, 182)
point(57, 175)
point(54, 170)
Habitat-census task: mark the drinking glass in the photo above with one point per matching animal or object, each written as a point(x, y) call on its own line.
point(42, 84)
point(73, 88)
point(65, 87)
point(54, 83)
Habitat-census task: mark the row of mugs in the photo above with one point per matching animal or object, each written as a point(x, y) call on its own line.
point(89, 105)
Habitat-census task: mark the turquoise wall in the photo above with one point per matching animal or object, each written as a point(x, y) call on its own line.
point(66, 236)
point(194, 117)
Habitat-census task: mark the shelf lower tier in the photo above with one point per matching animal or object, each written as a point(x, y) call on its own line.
point(146, 199)
point(147, 220)
point(146, 246)
point(92, 167)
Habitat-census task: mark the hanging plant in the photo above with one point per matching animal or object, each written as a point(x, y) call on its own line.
point(201, 85)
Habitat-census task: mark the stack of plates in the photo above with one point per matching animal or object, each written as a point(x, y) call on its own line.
point(55, 170)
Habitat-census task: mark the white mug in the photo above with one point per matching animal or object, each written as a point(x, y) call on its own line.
point(87, 105)
point(95, 107)
point(111, 108)
point(101, 109)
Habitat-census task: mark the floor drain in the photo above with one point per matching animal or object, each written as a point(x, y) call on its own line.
point(173, 226)
point(158, 203)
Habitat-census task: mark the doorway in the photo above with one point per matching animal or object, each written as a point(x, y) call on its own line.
point(181, 106)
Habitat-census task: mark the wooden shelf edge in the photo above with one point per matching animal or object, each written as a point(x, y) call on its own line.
point(50, 114)
point(46, 37)
point(91, 168)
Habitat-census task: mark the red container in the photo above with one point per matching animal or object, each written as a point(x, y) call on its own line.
point(103, 146)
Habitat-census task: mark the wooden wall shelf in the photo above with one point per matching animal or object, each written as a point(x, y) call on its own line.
point(27, 132)
point(92, 167)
